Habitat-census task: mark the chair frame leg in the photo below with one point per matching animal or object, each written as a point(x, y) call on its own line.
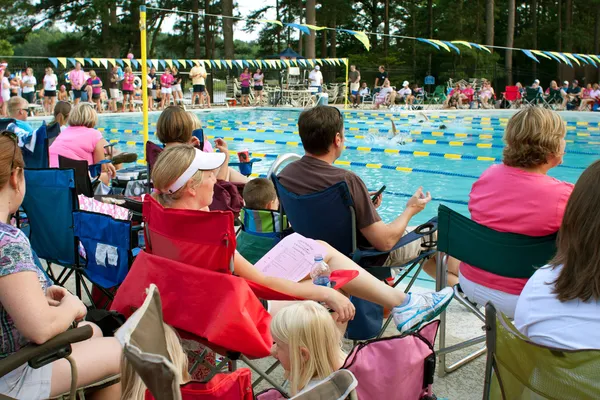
point(441, 282)
point(262, 374)
point(267, 372)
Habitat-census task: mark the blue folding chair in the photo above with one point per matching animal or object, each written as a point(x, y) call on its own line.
point(329, 215)
point(44, 135)
point(108, 250)
point(49, 203)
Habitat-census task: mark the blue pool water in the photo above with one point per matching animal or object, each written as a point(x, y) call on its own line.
point(432, 154)
point(444, 160)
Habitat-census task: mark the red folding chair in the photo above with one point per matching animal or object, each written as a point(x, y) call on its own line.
point(512, 95)
point(191, 263)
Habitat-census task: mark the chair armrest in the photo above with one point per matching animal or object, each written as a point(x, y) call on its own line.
point(39, 355)
point(422, 230)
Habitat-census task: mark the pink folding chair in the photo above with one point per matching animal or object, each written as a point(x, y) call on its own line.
point(397, 367)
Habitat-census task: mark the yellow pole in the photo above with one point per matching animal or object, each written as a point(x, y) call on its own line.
point(347, 85)
point(144, 75)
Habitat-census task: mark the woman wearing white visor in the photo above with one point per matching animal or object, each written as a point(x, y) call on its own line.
point(184, 178)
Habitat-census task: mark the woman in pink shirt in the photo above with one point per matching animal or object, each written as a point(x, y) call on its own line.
point(80, 141)
point(128, 80)
point(518, 196)
point(245, 78)
point(166, 81)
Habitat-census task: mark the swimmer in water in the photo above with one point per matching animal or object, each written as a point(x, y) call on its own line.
point(426, 119)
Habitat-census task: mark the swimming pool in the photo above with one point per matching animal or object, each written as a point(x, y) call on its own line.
point(445, 154)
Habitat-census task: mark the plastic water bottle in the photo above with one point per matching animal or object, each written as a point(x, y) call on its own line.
point(320, 272)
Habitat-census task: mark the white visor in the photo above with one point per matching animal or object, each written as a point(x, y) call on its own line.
point(202, 162)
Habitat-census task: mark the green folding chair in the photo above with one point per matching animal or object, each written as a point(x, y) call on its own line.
point(517, 368)
point(439, 95)
point(506, 254)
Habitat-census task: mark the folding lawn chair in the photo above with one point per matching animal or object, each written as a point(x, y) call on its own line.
point(554, 99)
point(174, 234)
point(382, 374)
point(532, 97)
point(56, 227)
point(439, 95)
point(329, 215)
point(513, 96)
point(261, 231)
point(110, 246)
point(517, 368)
point(49, 203)
point(341, 385)
point(145, 348)
point(83, 184)
point(44, 135)
point(505, 254)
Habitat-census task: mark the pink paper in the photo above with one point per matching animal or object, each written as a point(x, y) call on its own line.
point(292, 258)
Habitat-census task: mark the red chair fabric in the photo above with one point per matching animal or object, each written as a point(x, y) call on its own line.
point(512, 93)
point(200, 304)
point(231, 386)
point(200, 238)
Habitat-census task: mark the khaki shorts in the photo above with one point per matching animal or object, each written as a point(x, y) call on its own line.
point(406, 253)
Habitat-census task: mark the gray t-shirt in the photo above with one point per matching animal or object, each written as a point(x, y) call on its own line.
point(353, 76)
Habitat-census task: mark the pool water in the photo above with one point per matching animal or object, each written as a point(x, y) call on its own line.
point(444, 153)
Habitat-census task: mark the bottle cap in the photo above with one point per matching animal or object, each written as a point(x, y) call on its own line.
point(318, 258)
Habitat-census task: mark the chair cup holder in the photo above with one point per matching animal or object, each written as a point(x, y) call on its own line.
point(429, 244)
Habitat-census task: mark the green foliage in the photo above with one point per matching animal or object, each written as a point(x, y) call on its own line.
point(6, 48)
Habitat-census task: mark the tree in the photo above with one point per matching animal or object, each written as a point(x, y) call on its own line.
point(311, 20)
point(227, 6)
point(510, 38)
point(489, 22)
point(6, 48)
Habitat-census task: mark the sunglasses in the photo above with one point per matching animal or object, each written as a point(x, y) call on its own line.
point(13, 137)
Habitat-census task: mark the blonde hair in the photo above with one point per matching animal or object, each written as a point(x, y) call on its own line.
point(92, 73)
point(196, 123)
point(132, 386)
point(128, 70)
point(532, 136)
point(308, 325)
point(169, 166)
point(83, 114)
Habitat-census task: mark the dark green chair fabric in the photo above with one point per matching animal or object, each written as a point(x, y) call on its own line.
point(506, 254)
point(254, 247)
point(517, 368)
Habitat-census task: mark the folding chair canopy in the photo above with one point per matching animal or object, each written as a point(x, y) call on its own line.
point(501, 253)
point(49, 202)
point(201, 304)
point(525, 370)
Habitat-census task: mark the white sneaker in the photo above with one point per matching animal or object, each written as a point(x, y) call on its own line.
point(420, 309)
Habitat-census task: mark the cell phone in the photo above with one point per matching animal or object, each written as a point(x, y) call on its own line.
point(199, 133)
point(376, 195)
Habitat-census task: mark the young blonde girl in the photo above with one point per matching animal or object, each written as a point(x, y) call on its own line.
point(133, 388)
point(307, 343)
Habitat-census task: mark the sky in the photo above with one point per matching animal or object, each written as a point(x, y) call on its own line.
point(243, 8)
